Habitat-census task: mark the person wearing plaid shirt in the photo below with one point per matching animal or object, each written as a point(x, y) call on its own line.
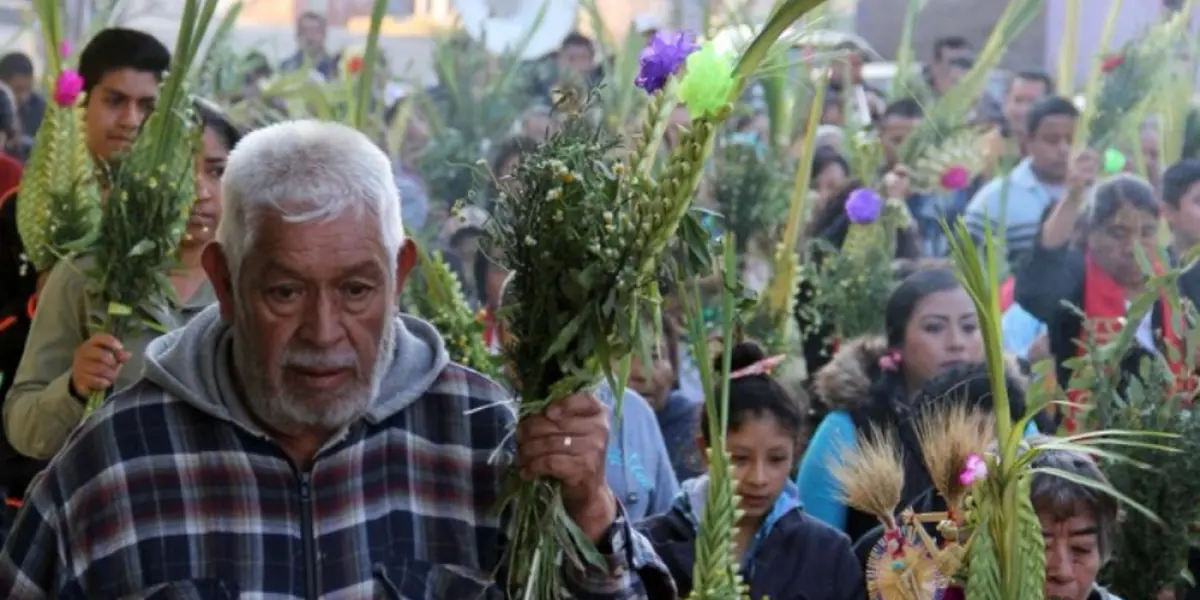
point(302, 439)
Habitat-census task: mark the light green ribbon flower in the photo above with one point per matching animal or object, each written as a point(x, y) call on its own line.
point(708, 82)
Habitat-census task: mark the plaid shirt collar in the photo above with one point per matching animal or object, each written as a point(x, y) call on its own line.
point(153, 495)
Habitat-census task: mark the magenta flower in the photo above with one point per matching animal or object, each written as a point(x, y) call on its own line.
point(955, 178)
point(974, 470)
point(662, 57)
point(67, 87)
point(863, 206)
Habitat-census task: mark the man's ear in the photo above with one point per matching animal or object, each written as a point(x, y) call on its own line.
point(703, 448)
point(217, 268)
point(406, 260)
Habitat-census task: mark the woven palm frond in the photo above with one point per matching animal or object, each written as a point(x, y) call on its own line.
point(904, 573)
point(951, 164)
point(59, 195)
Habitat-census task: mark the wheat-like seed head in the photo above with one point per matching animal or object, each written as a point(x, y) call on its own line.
point(949, 433)
point(872, 475)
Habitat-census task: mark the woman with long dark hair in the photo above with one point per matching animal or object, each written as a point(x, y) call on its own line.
point(931, 326)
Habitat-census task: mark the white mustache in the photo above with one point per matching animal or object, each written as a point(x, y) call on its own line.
point(306, 359)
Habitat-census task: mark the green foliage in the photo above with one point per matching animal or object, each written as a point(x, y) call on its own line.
point(849, 289)
point(1123, 94)
point(449, 166)
point(436, 295)
point(1152, 553)
point(750, 190)
point(152, 193)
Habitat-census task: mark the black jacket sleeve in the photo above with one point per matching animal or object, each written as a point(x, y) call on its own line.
point(1050, 276)
point(18, 282)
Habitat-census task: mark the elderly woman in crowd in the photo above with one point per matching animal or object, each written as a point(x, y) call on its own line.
point(1078, 522)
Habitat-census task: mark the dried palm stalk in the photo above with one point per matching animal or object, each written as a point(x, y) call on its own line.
point(871, 475)
point(948, 434)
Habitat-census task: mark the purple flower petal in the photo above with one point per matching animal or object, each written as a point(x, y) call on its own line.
point(663, 57)
point(863, 206)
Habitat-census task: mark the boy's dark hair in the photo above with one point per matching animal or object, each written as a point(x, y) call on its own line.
point(950, 42)
point(1178, 179)
point(1050, 106)
point(1041, 77)
point(15, 63)
point(118, 48)
point(904, 108)
point(578, 39)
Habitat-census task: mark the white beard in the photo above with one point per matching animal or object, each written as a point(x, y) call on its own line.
point(288, 411)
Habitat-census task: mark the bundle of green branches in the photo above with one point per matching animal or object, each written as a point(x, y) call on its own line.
point(848, 293)
point(436, 295)
point(60, 196)
point(1151, 553)
point(153, 189)
point(1127, 81)
point(570, 221)
point(850, 284)
point(750, 190)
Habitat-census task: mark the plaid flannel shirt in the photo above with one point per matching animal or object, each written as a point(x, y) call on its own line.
point(154, 497)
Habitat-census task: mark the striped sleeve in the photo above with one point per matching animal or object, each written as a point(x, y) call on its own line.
point(29, 567)
point(635, 572)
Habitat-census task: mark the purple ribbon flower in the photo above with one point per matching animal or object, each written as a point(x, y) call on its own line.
point(863, 206)
point(662, 57)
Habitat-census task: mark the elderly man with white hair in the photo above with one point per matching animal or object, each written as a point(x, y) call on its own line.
point(302, 439)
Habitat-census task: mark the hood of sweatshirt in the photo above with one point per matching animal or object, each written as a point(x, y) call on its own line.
point(194, 364)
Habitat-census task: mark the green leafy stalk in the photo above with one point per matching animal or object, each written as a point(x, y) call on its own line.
point(364, 97)
point(715, 571)
point(152, 193)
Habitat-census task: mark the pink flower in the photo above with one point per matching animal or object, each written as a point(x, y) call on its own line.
point(64, 49)
point(890, 361)
point(67, 87)
point(974, 470)
point(955, 178)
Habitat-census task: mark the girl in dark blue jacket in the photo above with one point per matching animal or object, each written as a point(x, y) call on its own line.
point(784, 553)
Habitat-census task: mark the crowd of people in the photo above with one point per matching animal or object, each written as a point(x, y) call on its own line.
point(291, 432)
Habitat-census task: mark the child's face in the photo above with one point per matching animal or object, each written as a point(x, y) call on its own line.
point(762, 454)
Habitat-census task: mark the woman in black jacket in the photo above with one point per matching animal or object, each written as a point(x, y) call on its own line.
point(1085, 258)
